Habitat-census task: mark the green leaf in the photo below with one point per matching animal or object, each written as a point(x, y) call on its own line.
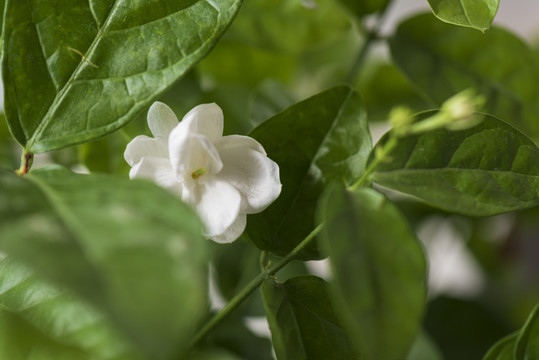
point(477, 14)
point(488, 169)
point(379, 270)
point(365, 7)
point(315, 141)
point(302, 320)
point(39, 319)
point(77, 70)
point(127, 247)
point(503, 349)
point(441, 60)
point(527, 345)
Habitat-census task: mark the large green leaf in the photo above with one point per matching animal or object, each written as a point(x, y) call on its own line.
point(442, 60)
point(315, 141)
point(39, 321)
point(488, 169)
point(477, 14)
point(378, 268)
point(77, 70)
point(126, 246)
point(302, 320)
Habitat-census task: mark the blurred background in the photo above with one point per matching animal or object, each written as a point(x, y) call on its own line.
point(484, 272)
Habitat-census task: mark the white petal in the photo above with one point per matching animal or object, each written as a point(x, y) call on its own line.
point(161, 120)
point(159, 171)
point(218, 206)
point(235, 141)
point(142, 146)
point(205, 119)
point(190, 151)
point(255, 176)
point(233, 232)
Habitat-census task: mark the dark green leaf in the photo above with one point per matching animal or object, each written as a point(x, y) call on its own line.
point(442, 60)
point(527, 345)
point(488, 169)
point(126, 246)
point(477, 14)
point(463, 329)
point(365, 7)
point(302, 320)
point(379, 270)
point(39, 321)
point(77, 70)
point(503, 349)
point(318, 140)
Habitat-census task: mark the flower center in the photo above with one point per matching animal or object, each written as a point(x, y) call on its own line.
point(198, 173)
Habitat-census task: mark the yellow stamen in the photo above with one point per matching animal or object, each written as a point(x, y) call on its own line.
point(198, 173)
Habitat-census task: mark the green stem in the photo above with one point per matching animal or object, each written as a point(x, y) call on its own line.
point(371, 35)
point(252, 286)
point(379, 157)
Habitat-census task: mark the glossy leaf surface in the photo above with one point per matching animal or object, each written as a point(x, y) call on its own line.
point(127, 247)
point(315, 141)
point(441, 60)
point(477, 14)
point(378, 268)
point(77, 70)
point(488, 169)
point(302, 320)
point(39, 321)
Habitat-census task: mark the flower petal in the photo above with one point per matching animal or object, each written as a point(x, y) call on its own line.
point(235, 141)
point(191, 151)
point(159, 171)
point(218, 206)
point(142, 146)
point(254, 175)
point(233, 232)
point(205, 119)
point(161, 120)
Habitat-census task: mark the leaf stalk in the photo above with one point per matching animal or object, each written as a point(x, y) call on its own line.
point(253, 285)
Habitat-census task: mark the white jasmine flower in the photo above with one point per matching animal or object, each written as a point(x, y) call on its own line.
point(222, 177)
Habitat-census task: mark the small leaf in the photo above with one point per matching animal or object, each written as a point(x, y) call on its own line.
point(76, 70)
point(477, 14)
point(315, 141)
point(125, 246)
point(486, 170)
point(503, 349)
point(442, 60)
point(302, 320)
point(379, 270)
point(38, 319)
point(527, 345)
